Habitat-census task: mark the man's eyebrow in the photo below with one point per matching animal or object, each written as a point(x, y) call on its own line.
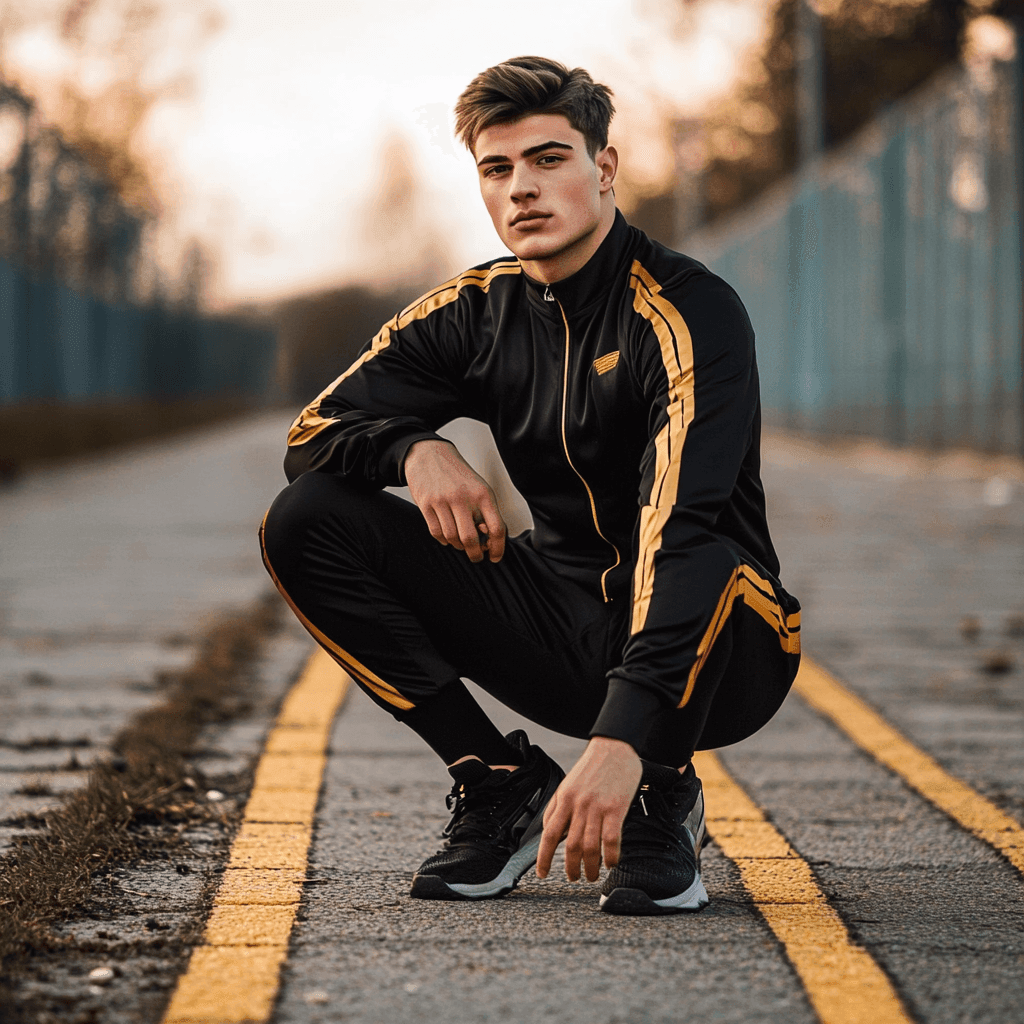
point(532, 151)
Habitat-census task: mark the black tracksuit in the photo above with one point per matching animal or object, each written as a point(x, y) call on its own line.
point(645, 603)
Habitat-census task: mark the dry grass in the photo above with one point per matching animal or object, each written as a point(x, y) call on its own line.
point(49, 873)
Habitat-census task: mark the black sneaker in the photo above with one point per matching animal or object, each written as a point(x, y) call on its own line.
point(659, 866)
point(497, 821)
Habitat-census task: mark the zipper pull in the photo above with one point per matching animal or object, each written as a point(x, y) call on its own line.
point(548, 297)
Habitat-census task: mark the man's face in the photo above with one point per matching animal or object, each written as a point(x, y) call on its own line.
point(540, 186)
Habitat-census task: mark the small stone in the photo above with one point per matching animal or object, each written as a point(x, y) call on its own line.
point(182, 869)
point(215, 795)
point(1015, 624)
point(970, 628)
point(997, 492)
point(101, 976)
point(411, 987)
point(318, 997)
point(998, 662)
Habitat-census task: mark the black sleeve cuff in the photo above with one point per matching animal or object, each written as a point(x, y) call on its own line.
point(393, 457)
point(628, 713)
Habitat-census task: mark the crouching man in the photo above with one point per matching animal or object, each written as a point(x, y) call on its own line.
point(643, 610)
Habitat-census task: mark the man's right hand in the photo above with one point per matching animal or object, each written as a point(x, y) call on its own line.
point(456, 502)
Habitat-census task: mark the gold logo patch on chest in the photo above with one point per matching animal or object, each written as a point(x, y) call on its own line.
point(607, 362)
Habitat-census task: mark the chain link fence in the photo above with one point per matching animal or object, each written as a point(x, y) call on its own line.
point(74, 324)
point(884, 280)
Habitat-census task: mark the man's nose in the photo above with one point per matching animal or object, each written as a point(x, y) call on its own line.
point(523, 184)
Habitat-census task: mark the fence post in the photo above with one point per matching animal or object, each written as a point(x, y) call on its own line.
point(1017, 119)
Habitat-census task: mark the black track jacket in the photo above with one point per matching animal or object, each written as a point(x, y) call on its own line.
point(624, 402)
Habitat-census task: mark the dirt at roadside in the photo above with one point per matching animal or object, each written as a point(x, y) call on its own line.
point(115, 955)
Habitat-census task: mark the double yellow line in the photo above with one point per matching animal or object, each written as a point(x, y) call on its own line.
point(234, 976)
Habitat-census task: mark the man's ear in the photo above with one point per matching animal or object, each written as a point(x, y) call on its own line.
point(607, 163)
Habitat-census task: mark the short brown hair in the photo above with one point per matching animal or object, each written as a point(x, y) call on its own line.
point(534, 85)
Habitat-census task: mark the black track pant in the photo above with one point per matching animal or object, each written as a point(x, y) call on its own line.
point(407, 617)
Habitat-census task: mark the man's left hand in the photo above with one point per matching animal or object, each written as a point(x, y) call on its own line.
point(588, 809)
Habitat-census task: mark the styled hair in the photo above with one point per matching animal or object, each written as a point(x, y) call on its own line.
point(522, 86)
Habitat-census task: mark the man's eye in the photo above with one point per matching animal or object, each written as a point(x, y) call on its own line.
point(495, 169)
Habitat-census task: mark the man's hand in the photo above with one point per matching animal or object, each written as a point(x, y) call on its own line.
point(457, 503)
point(588, 808)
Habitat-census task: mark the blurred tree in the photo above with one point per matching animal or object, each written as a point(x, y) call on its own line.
point(93, 187)
point(123, 57)
point(402, 243)
point(874, 52)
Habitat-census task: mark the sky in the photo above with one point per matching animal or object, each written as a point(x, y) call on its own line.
point(305, 120)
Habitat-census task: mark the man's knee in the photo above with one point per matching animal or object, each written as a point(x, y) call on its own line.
point(302, 508)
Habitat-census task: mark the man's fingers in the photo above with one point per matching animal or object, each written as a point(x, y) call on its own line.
point(494, 526)
point(469, 537)
point(574, 849)
point(449, 530)
point(611, 842)
point(592, 849)
point(433, 525)
point(555, 820)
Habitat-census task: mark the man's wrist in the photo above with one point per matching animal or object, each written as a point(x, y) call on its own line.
point(601, 740)
point(425, 445)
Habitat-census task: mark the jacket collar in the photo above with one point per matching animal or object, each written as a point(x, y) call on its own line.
point(592, 281)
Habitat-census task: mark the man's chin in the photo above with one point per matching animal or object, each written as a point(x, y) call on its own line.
point(537, 250)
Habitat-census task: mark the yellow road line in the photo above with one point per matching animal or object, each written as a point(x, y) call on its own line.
point(842, 981)
point(874, 734)
point(234, 975)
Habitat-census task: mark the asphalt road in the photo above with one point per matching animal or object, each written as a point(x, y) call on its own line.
point(109, 569)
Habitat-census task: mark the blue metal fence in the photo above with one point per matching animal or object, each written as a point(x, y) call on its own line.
point(59, 344)
point(884, 280)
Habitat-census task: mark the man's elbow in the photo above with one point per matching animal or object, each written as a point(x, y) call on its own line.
point(296, 462)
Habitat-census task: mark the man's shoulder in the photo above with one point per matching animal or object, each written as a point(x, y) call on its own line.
point(471, 283)
point(482, 276)
point(655, 265)
point(678, 278)
point(676, 290)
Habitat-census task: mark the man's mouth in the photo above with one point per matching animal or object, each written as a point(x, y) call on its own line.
point(522, 219)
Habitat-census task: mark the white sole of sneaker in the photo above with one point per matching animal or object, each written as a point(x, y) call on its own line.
point(517, 865)
point(637, 902)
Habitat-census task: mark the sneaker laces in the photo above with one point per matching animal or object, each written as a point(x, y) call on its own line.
point(473, 809)
point(651, 826)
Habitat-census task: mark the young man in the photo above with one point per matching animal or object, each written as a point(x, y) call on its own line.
point(643, 610)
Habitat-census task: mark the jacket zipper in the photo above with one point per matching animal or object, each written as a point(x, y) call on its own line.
point(568, 457)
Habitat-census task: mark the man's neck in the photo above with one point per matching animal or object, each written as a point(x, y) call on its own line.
point(565, 263)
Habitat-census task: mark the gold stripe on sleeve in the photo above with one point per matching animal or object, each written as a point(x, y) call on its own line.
point(677, 355)
point(309, 422)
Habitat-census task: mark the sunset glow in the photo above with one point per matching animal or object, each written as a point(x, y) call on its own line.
point(275, 155)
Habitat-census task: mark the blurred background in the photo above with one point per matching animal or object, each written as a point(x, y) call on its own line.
point(209, 206)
